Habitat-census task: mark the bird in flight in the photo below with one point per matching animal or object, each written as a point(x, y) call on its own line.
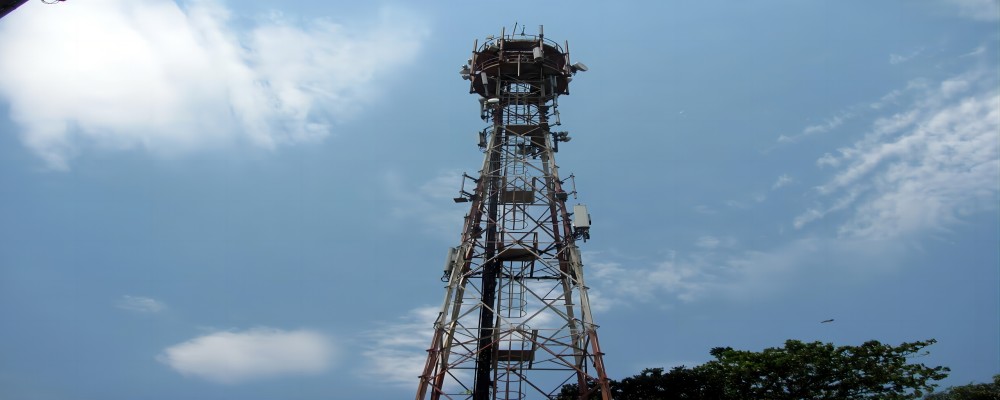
point(829, 320)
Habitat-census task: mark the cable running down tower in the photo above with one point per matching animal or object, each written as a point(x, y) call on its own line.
point(516, 321)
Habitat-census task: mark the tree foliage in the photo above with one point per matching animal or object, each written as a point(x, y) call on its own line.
point(796, 371)
point(972, 391)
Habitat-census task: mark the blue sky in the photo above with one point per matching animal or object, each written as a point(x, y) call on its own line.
point(252, 199)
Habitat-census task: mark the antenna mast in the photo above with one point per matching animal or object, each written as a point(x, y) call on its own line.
point(516, 321)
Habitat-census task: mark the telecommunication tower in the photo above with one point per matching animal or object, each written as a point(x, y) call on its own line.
point(516, 321)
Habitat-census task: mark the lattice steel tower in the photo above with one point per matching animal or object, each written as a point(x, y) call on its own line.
point(516, 320)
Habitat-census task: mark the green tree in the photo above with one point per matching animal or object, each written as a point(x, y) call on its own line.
point(823, 371)
point(796, 371)
point(981, 391)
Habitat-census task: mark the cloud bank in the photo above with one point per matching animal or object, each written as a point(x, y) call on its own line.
point(170, 79)
point(234, 357)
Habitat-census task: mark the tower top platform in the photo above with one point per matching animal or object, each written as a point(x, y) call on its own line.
point(519, 58)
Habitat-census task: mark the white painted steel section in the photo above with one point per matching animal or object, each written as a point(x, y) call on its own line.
point(581, 218)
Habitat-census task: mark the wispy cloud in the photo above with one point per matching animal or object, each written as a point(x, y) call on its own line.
point(738, 274)
point(975, 52)
point(398, 350)
point(234, 357)
point(916, 172)
point(140, 304)
point(827, 125)
point(705, 209)
point(827, 160)
point(783, 180)
point(429, 203)
point(748, 202)
point(922, 168)
point(902, 58)
point(980, 10)
point(816, 213)
point(708, 242)
point(894, 96)
point(118, 75)
point(683, 279)
point(856, 111)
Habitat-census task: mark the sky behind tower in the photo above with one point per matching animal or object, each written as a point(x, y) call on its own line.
point(210, 199)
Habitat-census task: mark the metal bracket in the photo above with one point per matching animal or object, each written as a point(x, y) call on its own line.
point(463, 195)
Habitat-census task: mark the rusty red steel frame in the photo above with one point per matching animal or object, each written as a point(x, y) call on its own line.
point(516, 321)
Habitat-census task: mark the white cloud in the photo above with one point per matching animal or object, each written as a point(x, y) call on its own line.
point(981, 10)
point(981, 49)
point(782, 181)
point(704, 209)
point(680, 279)
point(817, 260)
point(827, 160)
point(740, 274)
point(888, 98)
point(921, 169)
point(429, 204)
point(398, 351)
point(827, 125)
point(951, 87)
point(234, 357)
point(902, 58)
point(930, 166)
point(707, 242)
point(813, 214)
point(894, 96)
point(806, 217)
point(117, 75)
point(140, 304)
point(855, 111)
